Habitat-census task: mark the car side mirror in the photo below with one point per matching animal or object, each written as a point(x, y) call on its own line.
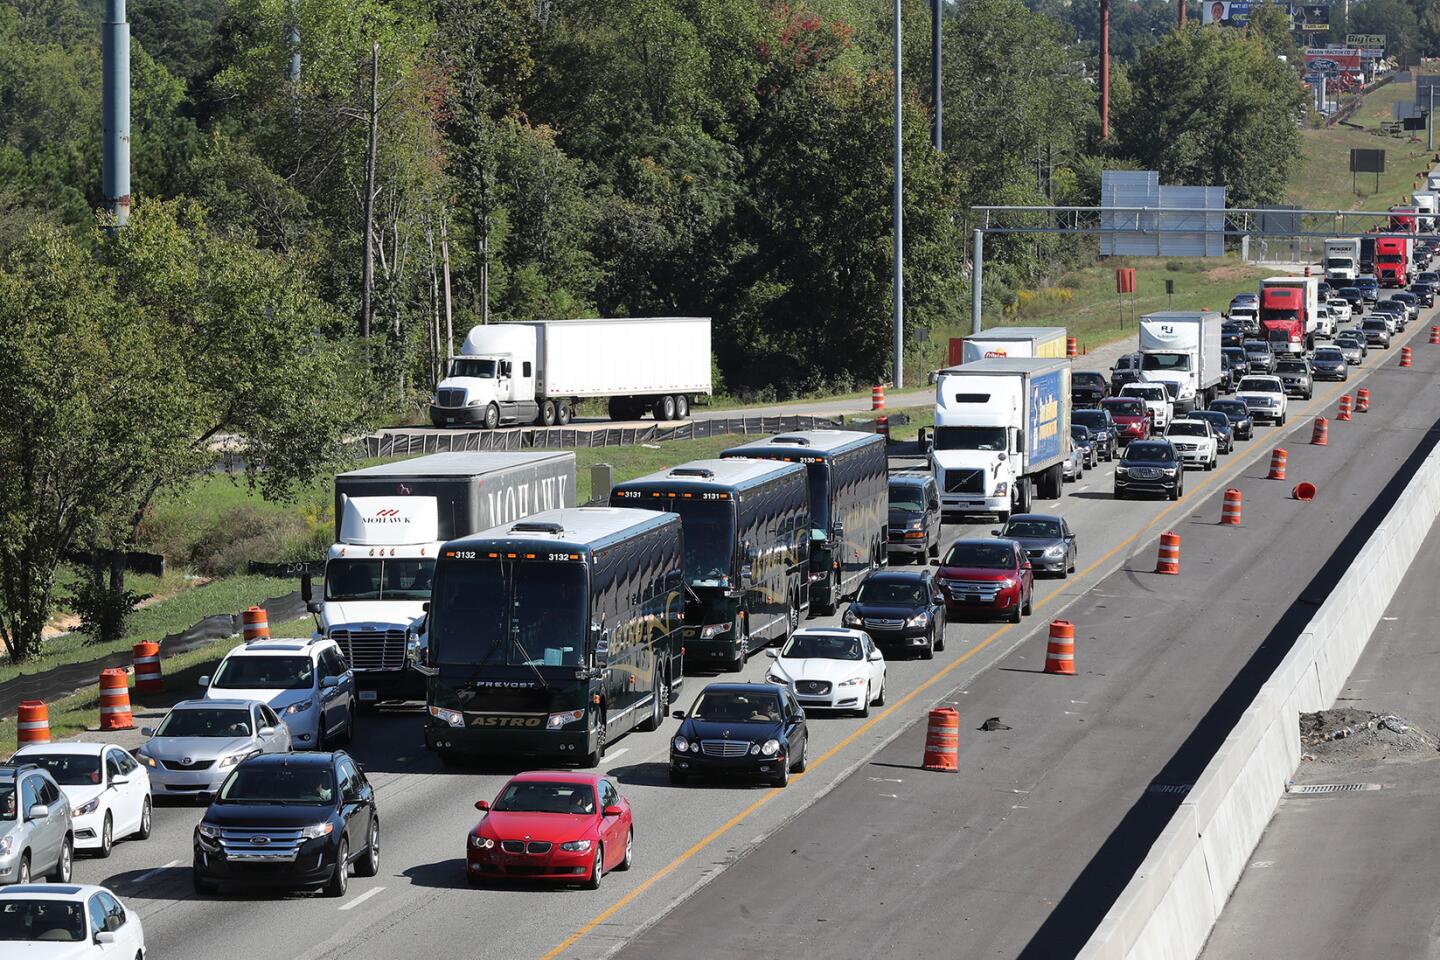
point(1027, 565)
point(482, 805)
point(147, 731)
point(119, 780)
point(678, 714)
point(105, 936)
point(934, 561)
point(38, 812)
point(328, 682)
point(204, 681)
point(612, 812)
point(996, 533)
point(876, 655)
point(772, 654)
point(266, 732)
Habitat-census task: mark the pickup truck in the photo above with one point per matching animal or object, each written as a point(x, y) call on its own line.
point(1157, 401)
point(1265, 398)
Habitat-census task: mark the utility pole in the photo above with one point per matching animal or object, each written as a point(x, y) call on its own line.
point(1430, 120)
point(937, 11)
point(115, 162)
point(899, 214)
point(977, 275)
point(1105, 68)
point(367, 296)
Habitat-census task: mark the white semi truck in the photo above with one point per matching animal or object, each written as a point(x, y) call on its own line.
point(1002, 429)
point(1181, 349)
point(510, 373)
point(390, 521)
point(1342, 259)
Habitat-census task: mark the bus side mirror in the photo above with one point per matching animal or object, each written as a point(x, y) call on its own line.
point(305, 587)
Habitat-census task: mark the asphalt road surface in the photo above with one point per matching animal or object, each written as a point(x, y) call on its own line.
point(864, 853)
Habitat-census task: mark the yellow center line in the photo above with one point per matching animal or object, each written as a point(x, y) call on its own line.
point(713, 835)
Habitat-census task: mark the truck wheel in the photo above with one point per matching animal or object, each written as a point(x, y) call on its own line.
point(682, 406)
point(563, 413)
point(547, 413)
point(664, 408)
point(618, 407)
point(492, 417)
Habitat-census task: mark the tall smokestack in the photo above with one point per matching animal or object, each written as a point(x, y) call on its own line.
point(115, 166)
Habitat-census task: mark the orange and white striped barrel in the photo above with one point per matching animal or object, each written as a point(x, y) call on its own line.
point(942, 740)
point(1320, 436)
point(1347, 404)
point(1278, 459)
point(1060, 648)
point(1168, 560)
point(34, 722)
point(1072, 347)
point(877, 397)
point(1405, 356)
point(882, 427)
point(1230, 510)
point(115, 700)
point(1362, 400)
point(146, 657)
point(256, 624)
point(1435, 334)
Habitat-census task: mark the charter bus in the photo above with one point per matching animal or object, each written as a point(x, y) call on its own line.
point(747, 549)
point(849, 504)
point(554, 635)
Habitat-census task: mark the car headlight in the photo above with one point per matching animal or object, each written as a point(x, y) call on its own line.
point(575, 846)
point(298, 707)
point(1120, 468)
point(85, 808)
point(317, 830)
point(919, 620)
point(557, 720)
point(1055, 551)
point(680, 744)
point(776, 678)
point(481, 843)
point(852, 682)
point(473, 403)
point(208, 830)
point(235, 758)
point(7, 843)
point(147, 760)
point(1002, 488)
point(1169, 471)
point(770, 747)
point(914, 525)
point(453, 717)
point(851, 618)
point(714, 630)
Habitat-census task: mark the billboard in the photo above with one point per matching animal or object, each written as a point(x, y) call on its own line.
point(1365, 41)
point(1236, 13)
point(1332, 61)
point(1311, 17)
point(1367, 161)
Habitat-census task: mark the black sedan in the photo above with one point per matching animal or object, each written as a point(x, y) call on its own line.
point(1085, 444)
point(1150, 466)
point(1048, 541)
point(1242, 422)
point(290, 820)
point(1232, 334)
point(1220, 426)
point(1329, 364)
point(1424, 291)
point(746, 729)
point(1354, 297)
point(1102, 430)
point(1088, 388)
point(1369, 288)
point(902, 610)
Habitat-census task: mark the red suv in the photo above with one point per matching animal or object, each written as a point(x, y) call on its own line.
point(1131, 416)
point(987, 576)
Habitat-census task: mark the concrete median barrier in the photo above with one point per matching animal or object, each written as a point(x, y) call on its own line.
point(1169, 906)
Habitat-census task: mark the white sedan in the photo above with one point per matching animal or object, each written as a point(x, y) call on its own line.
point(70, 921)
point(108, 792)
point(831, 668)
point(1195, 442)
point(1265, 398)
point(1339, 309)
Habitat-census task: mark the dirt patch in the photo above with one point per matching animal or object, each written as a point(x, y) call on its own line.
point(1230, 272)
point(1346, 734)
point(64, 623)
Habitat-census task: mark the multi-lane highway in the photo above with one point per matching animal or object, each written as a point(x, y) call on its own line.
point(865, 853)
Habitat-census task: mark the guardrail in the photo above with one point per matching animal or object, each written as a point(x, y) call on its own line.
point(1169, 906)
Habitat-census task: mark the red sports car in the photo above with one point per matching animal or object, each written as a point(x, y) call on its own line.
point(549, 825)
point(1132, 418)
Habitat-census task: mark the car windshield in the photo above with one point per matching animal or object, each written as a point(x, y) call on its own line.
point(1329, 354)
point(379, 579)
point(1258, 385)
point(1088, 379)
point(513, 612)
point(545, 796)
point(991, 555)
point(48, 921)
point(1165, 361)
point(1349, 292)
point(970, 438)
point(1216, 419)
point(907, 496)
point(279, 784)
point(265, 673)
point(1183, 429)
point(1031, 527)
point(69, 769)
point(1079, 433)
point(1340, 305)
point(737, 706)
point(1093, 420)
point(822, 646)
point(206, 722)
point(1290, 366)
point(1256, 346)
point(1151, 392)
point(471, 367)
point(1148, 453)
point(1228, 407)
point(1374, 325)
point(1125, 408)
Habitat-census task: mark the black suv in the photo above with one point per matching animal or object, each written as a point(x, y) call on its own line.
point(1150, 466)
point(1102, 430)
point(902, 610)
point(290, 820)
point(1088, 388)
point(914, 515)
point(1424, 291)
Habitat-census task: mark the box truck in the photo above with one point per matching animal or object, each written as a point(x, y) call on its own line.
point(1008, 342)
point(1426, 203)
point(1289, 312)
point(1342, 260)
point(1181, 349)
point(1394, 263)
point(390, 521)
point(508, 373)
point(1001, 430)
point(1367, 257)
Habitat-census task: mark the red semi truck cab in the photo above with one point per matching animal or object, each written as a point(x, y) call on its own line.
point(1282, 316)
point(1392, 262)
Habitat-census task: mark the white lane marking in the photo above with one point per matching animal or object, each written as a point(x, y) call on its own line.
point(884, 779)
point(1389, 618)
point(615, 754)
point(362, 898)
point(891, 796)
point(1262, 864)
point(150, 873)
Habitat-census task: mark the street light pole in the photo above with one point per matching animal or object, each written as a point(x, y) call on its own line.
point(937, 10)
point(899, 217)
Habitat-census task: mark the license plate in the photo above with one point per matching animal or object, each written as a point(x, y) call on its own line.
point(368, 695)
point(449, 419)
point(972, 598)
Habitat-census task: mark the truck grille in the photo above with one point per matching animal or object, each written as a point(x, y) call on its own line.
point(964, 481)
point(986, 590)
point(260, 843)
point(372, 649)
point(450, 397)
point(725, 748)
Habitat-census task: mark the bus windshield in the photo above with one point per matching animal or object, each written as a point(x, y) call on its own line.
point(709, 532)
point(819, 477)
point(512, 612)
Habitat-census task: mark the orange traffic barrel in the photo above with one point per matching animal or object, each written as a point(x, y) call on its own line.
point(1405, 356)
point(115, 700)
point(1346, 404)
point(1230, 510)
point(882, 427)
point(1060, 650)
point(1435, 334)
point(34, 722)
point(1168, 560)
point(942, 740)
point(877, 397)
point(257, 624)
point(1320, 436)
point(1304, 490)
point(1362, 400)
point(1072, 347)
point(146, 657)
point(1278, 459)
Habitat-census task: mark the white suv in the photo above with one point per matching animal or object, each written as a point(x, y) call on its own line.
point(1265, 398)
point(1195, 442)
point(307, 682)
point(1157, 401)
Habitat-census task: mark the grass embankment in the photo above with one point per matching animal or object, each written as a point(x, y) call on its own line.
point(1323, 181)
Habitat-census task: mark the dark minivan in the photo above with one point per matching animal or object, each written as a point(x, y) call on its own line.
point(1088, 388)
point(914, 515)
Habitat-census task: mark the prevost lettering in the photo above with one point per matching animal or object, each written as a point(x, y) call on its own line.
point(505, 684)
point(518, 502)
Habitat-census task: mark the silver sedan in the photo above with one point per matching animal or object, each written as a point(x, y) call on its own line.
point(200, 741)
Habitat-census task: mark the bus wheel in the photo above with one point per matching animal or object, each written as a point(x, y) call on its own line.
point(658, 703)
point(593, 758)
